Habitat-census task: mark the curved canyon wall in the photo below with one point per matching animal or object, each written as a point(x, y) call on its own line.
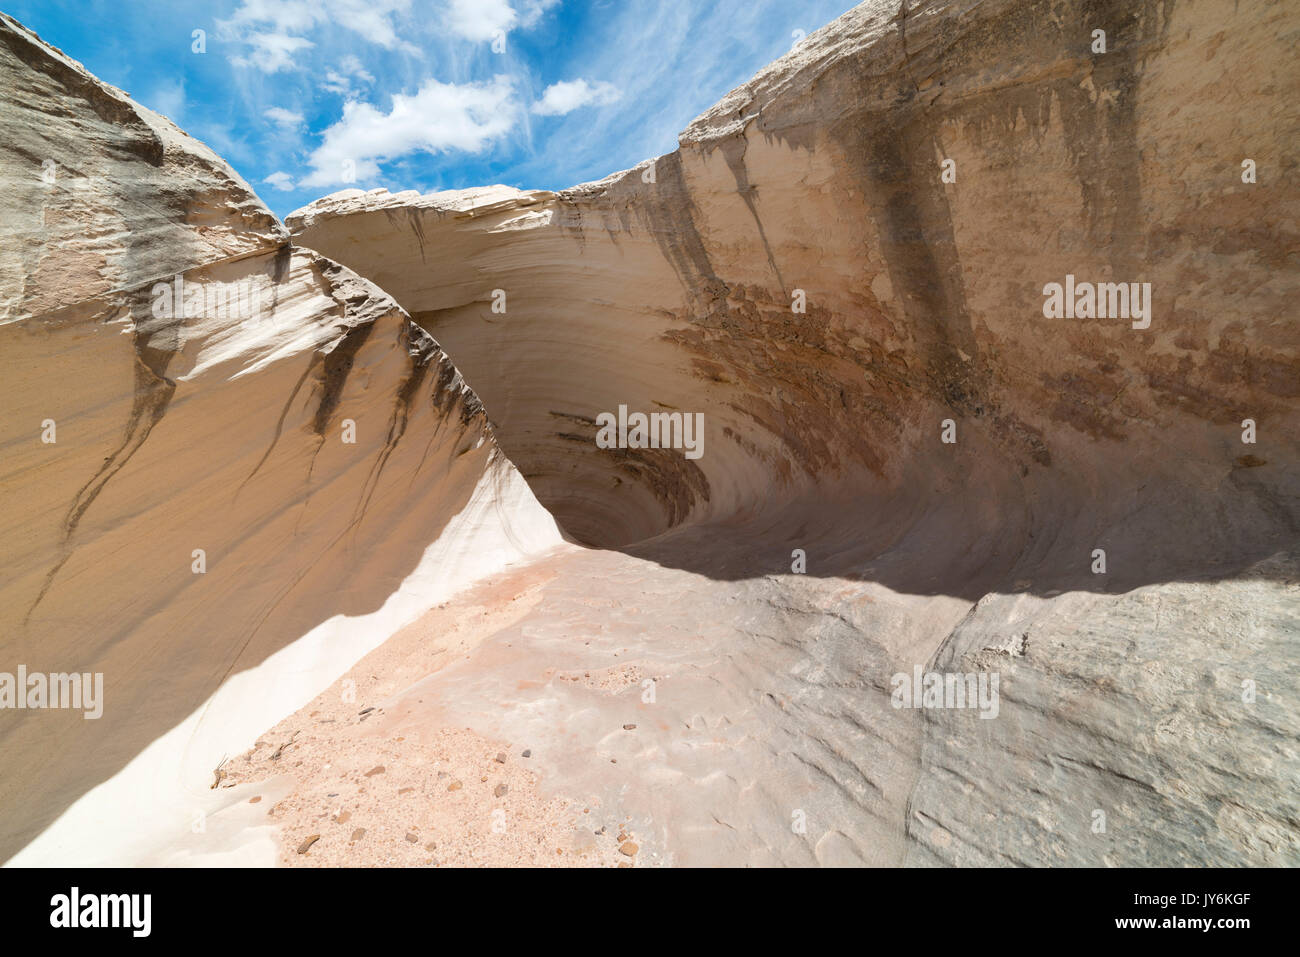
point(208, 432)
point(678, 286)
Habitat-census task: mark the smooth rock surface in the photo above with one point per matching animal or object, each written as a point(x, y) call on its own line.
point(670, 287)
point(218, 424)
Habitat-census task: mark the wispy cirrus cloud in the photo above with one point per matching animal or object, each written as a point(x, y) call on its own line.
point(271, 27)
point(271, 52)
point(346, 77)
point(287, 119)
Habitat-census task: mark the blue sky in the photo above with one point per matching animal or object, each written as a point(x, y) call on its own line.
point(301, 95)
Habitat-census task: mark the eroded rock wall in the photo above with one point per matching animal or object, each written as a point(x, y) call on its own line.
point(924, 298)
point(230, 467)
point(1137, 690)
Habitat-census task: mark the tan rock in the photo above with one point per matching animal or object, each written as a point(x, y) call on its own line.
point(196, 522)
point(677, 286)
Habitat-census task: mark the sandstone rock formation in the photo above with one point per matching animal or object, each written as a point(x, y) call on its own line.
point(800, 273)
point(198, 421)
point(671, 286)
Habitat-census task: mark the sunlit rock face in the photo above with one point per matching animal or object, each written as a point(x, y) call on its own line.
point(849, 261)
point(822, 180)
point(229, 466)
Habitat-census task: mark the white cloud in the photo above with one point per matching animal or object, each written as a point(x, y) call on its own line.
point(480, 19)
point(272, 52)
point(437, 118)
point(531, 11)
point(484, 19)
point(281, 15)
point(372, 19)
point(565, 97)
point(282, 117)
point(280, 180)
point(273, 28)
